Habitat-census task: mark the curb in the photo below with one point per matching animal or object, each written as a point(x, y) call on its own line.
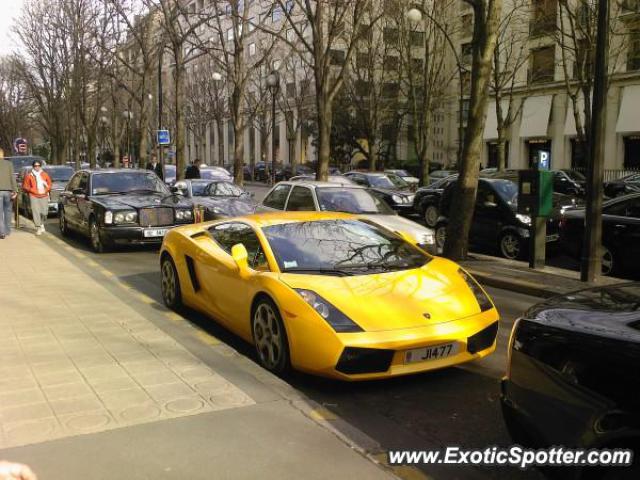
point(520, 286)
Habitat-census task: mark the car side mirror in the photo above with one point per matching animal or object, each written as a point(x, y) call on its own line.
point(241, 257)
point(176, 190)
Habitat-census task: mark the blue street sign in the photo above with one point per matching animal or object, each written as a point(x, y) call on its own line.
point(163, 137)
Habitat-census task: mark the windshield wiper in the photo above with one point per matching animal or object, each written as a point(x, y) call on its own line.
point(319, 271)
point(142, 190)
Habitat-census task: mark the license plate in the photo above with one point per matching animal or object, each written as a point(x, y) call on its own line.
point(155, 232)
point(430, 353)
point(553, 238)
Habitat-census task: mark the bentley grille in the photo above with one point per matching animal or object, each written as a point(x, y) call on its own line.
point(156, 217)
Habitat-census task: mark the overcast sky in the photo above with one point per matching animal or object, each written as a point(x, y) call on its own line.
point(9, 10)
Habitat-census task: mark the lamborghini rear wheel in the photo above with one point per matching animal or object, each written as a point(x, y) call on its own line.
point(270, 337)
point(170, 283)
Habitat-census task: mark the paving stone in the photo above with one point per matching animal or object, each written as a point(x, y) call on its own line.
point(86, 403)
point(58, 378)
point(170, 391)
point(103, 371)
point(17, 397)
point(120, 399)
point(101, 386)
point(22, 413)
point(66, 390)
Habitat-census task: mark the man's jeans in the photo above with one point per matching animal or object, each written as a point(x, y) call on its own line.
point(5, 212)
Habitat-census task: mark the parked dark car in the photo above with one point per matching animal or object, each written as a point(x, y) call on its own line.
point(620, 234)
point(496, 225)
point(622, 186)
point(215, 174)
point(59, 174)
point(286, 172)
point(262, 171)
point(569, 182)
point(219, 198)
point(573, 373)
point(440, 174)
point(114, 206)
point(388, 187)
point(427, 200)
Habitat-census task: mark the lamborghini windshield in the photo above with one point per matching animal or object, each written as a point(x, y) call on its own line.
point(343, 247)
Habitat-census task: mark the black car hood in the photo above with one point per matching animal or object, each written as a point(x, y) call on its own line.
point(612, 311)
point(229, 206)
point(140, 200)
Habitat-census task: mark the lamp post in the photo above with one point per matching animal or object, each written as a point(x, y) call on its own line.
point(217, 78)
point(128, 115)
point(273, 82)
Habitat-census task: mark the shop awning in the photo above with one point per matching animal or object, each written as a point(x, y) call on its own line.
point(629, 115)
point(535, 116)
point(491, 125)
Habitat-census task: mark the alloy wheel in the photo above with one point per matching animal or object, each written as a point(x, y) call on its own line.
point(269, 337)
point(441, 236)
point(170, 284)
point(62, 223)
point(96, 241)
point(431, 215)
point(607, 261)
point(510, 246)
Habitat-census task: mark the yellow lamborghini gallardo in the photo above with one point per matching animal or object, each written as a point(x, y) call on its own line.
point(329, 294)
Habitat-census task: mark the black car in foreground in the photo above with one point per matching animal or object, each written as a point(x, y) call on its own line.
point(573, 374)
point(495, 225)
point(622, 186)
point(388, 187)
point(620, 234)
point(114, 206)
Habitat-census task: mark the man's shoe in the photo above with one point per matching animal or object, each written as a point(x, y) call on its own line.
point(2, 237)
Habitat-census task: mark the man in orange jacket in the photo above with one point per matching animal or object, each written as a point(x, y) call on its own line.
point(37, 184)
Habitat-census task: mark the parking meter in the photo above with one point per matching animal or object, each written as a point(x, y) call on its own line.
point(535, 199)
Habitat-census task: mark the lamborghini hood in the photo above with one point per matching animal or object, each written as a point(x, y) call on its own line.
point(433, 294)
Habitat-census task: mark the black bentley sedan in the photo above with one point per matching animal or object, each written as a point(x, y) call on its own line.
point(388, 187)
point(620, 234)
point(219, 199)
point(114, 206)
point(573, 372)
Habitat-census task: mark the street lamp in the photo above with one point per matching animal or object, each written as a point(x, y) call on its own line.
point(128, 115)
point(273, 82)
point(103, 124)
point(217, 78)
point(414, 15)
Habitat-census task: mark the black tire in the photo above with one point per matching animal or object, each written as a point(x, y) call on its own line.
point(98, 243)
point(609, 261)
point(511, 245)
point(170, 284)
point(62, 223)
point(270, 337)
point(441, 237)
point(430, 215)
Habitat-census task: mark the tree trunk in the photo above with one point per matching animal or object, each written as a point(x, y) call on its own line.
point(293, 156)
point(115, 138)
point(324, 140)
point(502, 150)
point(238, 151)
point(91, 150)
point(178, 94)
point(486, 16)
point(144, 137)
point(373, 154)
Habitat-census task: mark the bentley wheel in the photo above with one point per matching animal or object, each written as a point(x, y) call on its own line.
point(270, 337)
point(510, 245)
point(170, 284)
point(97, 242)
point(431, 215)
point(62, 223)
point(608, 264)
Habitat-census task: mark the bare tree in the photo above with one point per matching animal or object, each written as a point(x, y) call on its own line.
point(325, 33)
point(15, 106)
point(510, 55)
point(485, 31)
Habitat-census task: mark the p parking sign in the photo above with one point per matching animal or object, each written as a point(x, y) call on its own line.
point(163, 137)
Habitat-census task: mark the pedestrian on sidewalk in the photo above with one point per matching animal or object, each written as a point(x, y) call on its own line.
point(15, 471)
point(156, 167)
point(8, 189)
point(37, 184)
point(193, 170)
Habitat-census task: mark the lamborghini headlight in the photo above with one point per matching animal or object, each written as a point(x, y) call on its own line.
point(334, 317)
point(481, 297)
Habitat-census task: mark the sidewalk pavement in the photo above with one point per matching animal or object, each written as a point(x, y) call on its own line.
point(93, 386)
point(516, 276)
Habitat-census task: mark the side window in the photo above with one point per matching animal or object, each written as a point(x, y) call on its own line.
point(229, 234)
point(485, 195)
point(633, 208)
point(277, 198)
point(301, 200)
point(360, 180)
point(84, 182)
point(74, 182)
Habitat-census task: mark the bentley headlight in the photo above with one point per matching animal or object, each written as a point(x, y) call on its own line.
point(131, 217)
point(124, 217)
point(119, 217)
point(108, 217)
point(334, 317)
point(396, 198)
point(409, 198)
point(184, 215)
point(481, 297)
point(526, 219)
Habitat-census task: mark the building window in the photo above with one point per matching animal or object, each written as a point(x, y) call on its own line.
point(416, 39)
point(492, 155)
point(544, 17)
point(365, 32)
point(391, 63)
point(362, 59)
point(252, 49)
point(542, 65)
point(467, 53)
point(336, 57)
point(633, 52)
point(467, 24)
point(291, 89)
point(363, 88)
point(417, 65)
point(632, 153)
point(578, 154)
point(390, 36)
point(390, 90)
